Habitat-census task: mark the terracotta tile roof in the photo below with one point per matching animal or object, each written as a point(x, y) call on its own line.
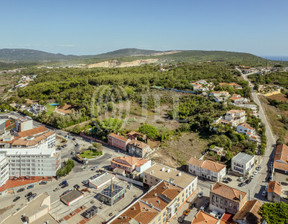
point(281, 157)
point(249, 211)
point(247, 126)
point(129, 161)
point(119, 137)
point(274, 187)
point(35, 141)
point(207, 164)
point(138, 144)
point(160, 196)
point(137, 213)
point(227, 192)
point(204, 218)
point(33, 131)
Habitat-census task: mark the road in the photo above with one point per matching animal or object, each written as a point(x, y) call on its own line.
point(256, 185)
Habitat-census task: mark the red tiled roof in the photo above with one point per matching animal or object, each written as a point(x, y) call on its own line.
point(248, 211)
point(129, 161)
point(204, 218)
point(119, 137)
point(227, 192)
point(33, 131)
point(274, 187)
point(138, 144)
point(207, 164)
point(281, 157)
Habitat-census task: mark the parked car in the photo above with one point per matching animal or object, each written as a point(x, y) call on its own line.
point(30, 186)
point(255, 172)
point(31, 197)
point(73, 139)
point(181, 219)
point(16, 199)
point(76, 186)
point(229, 179)
point(20, 190)
point(241, 184)
point(258, 168)
point(56, 189)
point(29, 194)
point(247, 181)
point(42, 182)
point(63, 183)
point(192, 205)
point(186, 212)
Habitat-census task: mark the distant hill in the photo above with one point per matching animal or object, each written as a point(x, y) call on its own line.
point(131, 54)
point(27, 55)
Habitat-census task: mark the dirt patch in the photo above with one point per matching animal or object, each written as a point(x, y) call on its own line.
point(279, 97)
point(118, 64)
point(179, 151)
point(2, 210)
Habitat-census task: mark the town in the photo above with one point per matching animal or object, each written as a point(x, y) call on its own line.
point(49, 175)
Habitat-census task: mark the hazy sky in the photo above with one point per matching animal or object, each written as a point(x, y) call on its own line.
point(92, 26)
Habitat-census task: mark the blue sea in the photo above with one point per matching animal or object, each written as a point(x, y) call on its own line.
point(276, 58)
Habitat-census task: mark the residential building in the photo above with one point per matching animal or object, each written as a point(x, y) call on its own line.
point(281, 159)
point(201, 86)
point(118, 141)
point(31, 152)
point(134, 135)
point(4, 170)
point(137, 148)
point(159, 205)
point(157, 173)
point(204, 218)
point(224, 198)
point(218, 150)
point(37, 109)
point(235, 85)
point(242, 163)
point(232, 117)
point(248, 214)
point(274, 191)
point(238, 99)
point(35, 211)
point(206, 169)
point(248, 130)
point(131, 164)
point(23, 124)
point(220, 96)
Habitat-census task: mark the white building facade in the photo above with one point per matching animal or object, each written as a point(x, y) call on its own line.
point(242, 163)
point(4, 170)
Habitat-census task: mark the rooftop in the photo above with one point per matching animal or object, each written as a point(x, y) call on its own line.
point(281, 157)
point(111, 190)
point(227, 192)
point(242, 158)
point(274, 187)
point(204, 218)
point(170, 175)
point(100, 178)
point(207, 164)
point(138, 144)
point(247, 126)
point(129, 161)
point(119, 137)
point(71, 196)
point(249, 211)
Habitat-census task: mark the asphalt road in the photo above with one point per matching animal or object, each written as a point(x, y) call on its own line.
point(256, 185)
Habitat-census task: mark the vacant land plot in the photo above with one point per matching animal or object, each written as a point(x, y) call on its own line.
point(279, 97)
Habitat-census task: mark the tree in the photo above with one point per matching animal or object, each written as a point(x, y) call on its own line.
point(149, 130)
point(229, 155)
point(275, 213)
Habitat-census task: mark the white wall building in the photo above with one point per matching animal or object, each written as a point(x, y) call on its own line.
point(4, 170)
point(206, 169)
point(242, 163)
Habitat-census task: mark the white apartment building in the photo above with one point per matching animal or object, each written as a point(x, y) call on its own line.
point(235, 117)
point(242, 163)
point(4, 170)
point(206, 169)
point(31, 153)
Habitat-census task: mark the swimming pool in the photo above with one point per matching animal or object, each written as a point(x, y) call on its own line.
point(54, 104)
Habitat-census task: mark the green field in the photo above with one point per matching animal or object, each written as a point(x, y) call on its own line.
point(88, 154)
point(50, 109)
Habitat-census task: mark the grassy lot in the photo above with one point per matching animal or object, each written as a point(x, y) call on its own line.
point(50, 109)
point(88, 154)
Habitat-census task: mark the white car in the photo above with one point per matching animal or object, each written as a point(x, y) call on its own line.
point(255, 172)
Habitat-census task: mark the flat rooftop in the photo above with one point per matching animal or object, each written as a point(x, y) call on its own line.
point(242, 158)
point(100, 179)
point(71, 196)
point(32, 208)
point(169, 174)
point(108, 193)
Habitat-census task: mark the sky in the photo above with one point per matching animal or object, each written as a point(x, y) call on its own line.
point(93, 26)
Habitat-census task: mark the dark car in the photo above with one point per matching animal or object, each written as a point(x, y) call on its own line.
point(241, 184)
point(29, 194)
point(85, 182)
point(16, 199)
point(73, 139)
point(181, 219)
point(31, 197)
point(30, 186)
point(21, 189)
point(247, 181)
point(63, 182)
point(192, 205)
point(42, 182)
point(229, 179)
point(65, 185)
point(76, 186)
